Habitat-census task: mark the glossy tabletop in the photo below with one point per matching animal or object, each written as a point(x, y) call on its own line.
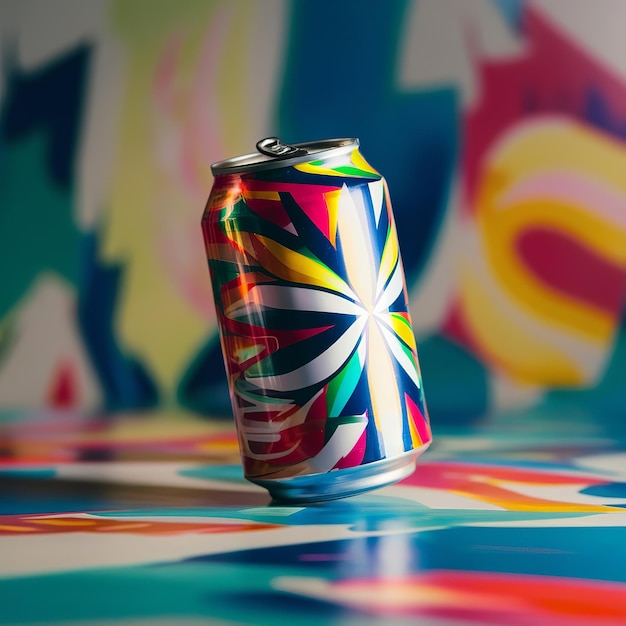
point(146, 519)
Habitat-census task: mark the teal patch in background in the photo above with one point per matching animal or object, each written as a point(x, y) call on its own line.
point(40, 119)
point(27, 472)
point(226, 473)
point(455, 382)
point(603, 404)
point(37, 229)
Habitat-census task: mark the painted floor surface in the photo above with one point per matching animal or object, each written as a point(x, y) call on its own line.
point(147, 520)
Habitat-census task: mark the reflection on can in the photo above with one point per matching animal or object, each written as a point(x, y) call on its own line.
point(314, 322)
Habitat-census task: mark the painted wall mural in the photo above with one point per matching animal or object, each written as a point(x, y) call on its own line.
point(500, 126)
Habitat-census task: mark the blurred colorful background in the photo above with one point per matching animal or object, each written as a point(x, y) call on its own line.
point(500, 126)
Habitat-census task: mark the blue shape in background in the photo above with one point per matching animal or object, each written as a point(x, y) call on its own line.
point(584, 553)
point(204, 386)
point(512, 11)
point(339, 81)
point(51, 98)
point(598, 112)
point(124, 379)
point(612, 490)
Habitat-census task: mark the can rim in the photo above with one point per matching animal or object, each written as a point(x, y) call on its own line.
point(256, 161)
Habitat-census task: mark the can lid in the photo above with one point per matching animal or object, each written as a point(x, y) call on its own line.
point(272, 153)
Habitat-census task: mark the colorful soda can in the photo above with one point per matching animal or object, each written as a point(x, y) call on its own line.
point(313, 318)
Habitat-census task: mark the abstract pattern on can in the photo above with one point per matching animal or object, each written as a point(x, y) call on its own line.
point(314, 321)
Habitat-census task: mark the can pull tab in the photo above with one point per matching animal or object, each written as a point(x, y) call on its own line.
point(271, 146)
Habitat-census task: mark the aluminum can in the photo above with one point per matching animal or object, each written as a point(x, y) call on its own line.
point(313, 319)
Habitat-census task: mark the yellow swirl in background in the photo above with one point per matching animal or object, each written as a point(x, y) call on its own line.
point(553, 175)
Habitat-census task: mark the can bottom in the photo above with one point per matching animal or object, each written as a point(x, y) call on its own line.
point(343, 482)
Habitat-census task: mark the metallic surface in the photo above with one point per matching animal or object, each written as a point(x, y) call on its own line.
point(339, 484)
point(314, 324)
point(327, 148)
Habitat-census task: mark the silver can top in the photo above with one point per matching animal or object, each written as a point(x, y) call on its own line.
point(273, 154)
